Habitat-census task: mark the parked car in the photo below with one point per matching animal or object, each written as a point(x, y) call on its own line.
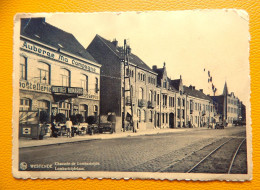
point(219, 125)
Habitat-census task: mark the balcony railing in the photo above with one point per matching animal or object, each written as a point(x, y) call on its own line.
point(151, 104)
point(141, 103)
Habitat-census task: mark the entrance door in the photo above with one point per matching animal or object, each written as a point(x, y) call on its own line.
point(171, 120)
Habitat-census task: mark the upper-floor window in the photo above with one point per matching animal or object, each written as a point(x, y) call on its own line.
point(23, 68)
point(183, 102)
point(179, 102)
point(84, 82)
point(65, 77)
point(141, 93)
point(165, 84)
point(150, 95)
point(96, 85)
point(43, 73)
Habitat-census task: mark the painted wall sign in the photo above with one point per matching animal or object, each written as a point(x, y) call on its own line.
point(29, 85)
point(56, 56)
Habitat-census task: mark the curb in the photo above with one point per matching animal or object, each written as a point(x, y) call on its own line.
point(111, 137)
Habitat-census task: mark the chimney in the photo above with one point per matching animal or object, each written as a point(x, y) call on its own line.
point(154, 67)
point(190, 87)
point(180, 76)
point(115, 42)
point(201, 90)
point(129, 49)
point(193, 87)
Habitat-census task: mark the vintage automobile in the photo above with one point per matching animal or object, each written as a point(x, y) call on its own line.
point(219, 125)
point(94, 127)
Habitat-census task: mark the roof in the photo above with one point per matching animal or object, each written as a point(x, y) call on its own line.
point(195, 93)
point(132, 57)
point(37, 29)
point(175, 83)
point(160, 72)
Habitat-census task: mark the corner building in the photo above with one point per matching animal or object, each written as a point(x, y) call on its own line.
point(57, 74)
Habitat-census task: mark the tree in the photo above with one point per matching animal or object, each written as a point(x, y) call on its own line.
point(61, 118)
point(44, 117)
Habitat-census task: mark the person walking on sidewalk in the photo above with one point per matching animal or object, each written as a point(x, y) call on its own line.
point(69, 127)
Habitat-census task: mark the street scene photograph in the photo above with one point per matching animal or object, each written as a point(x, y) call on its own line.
point(160, 95)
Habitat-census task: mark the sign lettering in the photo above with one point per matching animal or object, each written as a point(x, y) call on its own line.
point(57, 56)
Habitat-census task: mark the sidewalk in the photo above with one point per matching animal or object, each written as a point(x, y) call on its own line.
point(25, 142)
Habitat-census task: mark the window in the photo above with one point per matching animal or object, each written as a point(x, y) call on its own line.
point(43, 105)
point(179, 101)
point(163, 117)
point(150, 95)
point(25, 104)
point(151, 116)
point(84, 82)
point(166, 115)
point(139, 76)
point(178, 113)
point(144, 116)
point(65, 77)
point(154, 96)
point(183, 114)
point(158, 99)
point(43, 73)
point(183, 102)
point(23, 68)
point(139, 115)
point(141, 93)
point(84, 111)
point(165, 84)
point(96, 85)
point(96, 110)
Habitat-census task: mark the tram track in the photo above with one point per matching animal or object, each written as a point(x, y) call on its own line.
point(218, 157)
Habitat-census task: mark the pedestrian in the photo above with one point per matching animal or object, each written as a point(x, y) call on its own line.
point(54, 130)
point(69, 128)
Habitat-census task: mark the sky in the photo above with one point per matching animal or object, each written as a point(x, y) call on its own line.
point(187, 41)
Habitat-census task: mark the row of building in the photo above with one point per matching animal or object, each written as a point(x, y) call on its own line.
point(58, 75)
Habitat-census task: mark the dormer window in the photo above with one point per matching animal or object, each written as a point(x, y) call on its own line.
point(165, 84)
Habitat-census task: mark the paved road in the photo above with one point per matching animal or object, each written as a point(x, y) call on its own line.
point(148, 153)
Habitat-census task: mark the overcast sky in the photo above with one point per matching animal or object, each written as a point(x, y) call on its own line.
point(188, 41)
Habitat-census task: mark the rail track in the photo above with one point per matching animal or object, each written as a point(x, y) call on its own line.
point(218, 157)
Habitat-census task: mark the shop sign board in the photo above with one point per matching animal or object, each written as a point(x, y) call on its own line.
point(57, 56)
point(66, 90)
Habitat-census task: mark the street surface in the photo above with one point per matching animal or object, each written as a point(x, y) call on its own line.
point(149, 153)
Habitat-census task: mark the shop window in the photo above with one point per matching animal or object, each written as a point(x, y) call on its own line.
point(23, 68)
point(65, 77)
point(65, 108)
point(43, 73)
point(25, 104)
point(43, 105)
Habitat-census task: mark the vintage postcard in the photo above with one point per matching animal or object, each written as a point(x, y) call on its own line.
point(141, 95)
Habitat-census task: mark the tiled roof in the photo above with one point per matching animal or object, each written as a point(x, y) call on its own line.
point(175, 83)
point(37, 29)
point(132, 57)
point(195, 93)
